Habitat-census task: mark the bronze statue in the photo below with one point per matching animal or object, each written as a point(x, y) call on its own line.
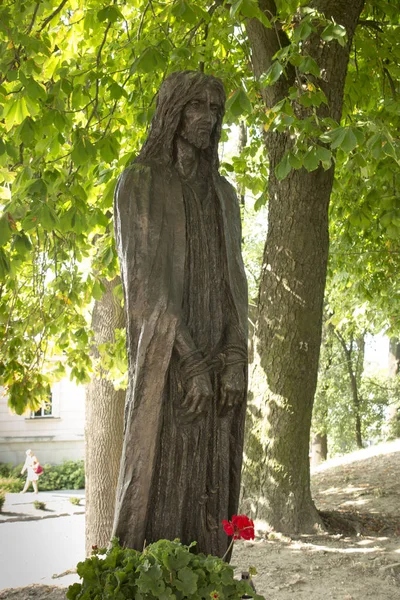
point(178, 236)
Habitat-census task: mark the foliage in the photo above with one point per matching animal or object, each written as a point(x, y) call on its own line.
point(5, 469)
point(334, 410)
point(2, 500)
point(39, 505)
point(67, 476)
point(75, 500)
point(364, 217)
point(11, 484)
point(77, 89)
point(165, 570)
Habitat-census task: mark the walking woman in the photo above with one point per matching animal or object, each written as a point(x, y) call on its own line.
point(31, 465)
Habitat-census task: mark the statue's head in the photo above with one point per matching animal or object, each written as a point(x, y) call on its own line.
point(189, 104)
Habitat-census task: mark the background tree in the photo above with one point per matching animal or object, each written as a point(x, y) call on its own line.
point(295, 258)
point(352, 396)
point(104, 416)
point(394, 404)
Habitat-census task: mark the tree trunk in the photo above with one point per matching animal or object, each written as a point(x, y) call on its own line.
point(393, 419)
point(354, 395)
point(103, 427)
point(319, 444)
point(319, 451)
point(354, 369)
point(241, 145)
point(293, 279)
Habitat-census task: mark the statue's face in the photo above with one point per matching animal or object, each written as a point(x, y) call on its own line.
point(199, 118)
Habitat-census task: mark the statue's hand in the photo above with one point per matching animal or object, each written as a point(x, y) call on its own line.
point(198, 396)
point(233, 384)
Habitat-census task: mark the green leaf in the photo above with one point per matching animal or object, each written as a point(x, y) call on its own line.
point(151, 59)
point(32, 106)
point(109, 148)
point(333, 31)
point(349, 141)
point(187, 581)
point(27, 131)
point(335, 137)
point(116, 91)
point(184, 11)
point(109, 13)
point(22, 244)
point(38, 189)
point(4, 265)
point(180, 54)
point(324, 155)
point(284, 167)
point(308, 65)
point(295, 160)
point(272, 75)
point(15, 112)
point(238, 103)
point(310, 160)
point(5, 230)
point(390, 150)
point(302, 31)
point(97, 291)
point(176, 560)
point(150, 579)
point(235, 8)
point(261, 16)
point(83, 150)
point(107, 199)
point(47, 218)
point(35, 90)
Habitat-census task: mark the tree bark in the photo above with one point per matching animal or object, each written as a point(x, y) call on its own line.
point(393, 419)
point(241, 190)
point(354, 370)
point(293, 278)
point(319, 451)
point(103, 427)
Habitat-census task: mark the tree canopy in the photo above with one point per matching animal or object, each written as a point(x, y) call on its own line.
point(77, 92)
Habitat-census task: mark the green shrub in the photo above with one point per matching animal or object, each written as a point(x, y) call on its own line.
point(11, 484)
point(16, 472)
point(39, 505)
point(2, 500)
point(5, 469)
point(164, 570)
point(76, 501)
point(68, 476)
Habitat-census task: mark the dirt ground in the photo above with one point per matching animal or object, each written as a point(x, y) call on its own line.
point(359, 495)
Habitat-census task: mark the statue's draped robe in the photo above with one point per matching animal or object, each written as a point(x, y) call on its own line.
point(179, 249)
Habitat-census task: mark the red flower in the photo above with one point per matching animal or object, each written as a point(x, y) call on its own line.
point(241, 527)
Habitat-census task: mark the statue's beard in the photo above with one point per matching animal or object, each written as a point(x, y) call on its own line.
point(200, 138)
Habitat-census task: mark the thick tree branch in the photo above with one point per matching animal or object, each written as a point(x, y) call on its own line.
point(376, 25)
point(98, 60)
point(391, 83)
point(265, 43)
point(33, 18)
point(53, 14)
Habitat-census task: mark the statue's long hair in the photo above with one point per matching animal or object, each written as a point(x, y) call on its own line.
point(175, 92)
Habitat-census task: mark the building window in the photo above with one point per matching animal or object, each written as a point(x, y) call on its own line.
point(46, 410)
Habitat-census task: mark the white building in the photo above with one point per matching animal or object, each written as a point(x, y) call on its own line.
point(55, 433)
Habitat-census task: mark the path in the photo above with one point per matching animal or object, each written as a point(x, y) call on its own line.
point(36, 544)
